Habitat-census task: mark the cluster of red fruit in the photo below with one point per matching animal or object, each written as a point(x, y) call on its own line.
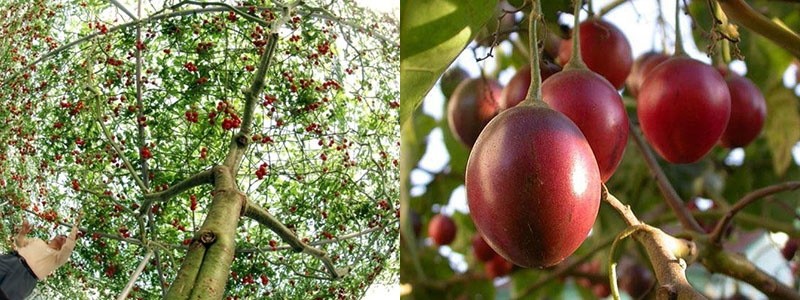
point(552, 161)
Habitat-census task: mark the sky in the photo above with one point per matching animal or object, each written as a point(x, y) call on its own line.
point(639, 31)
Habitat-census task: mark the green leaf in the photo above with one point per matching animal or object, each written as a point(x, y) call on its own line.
point(782, 127)
point(434, 32)
point(466, 229)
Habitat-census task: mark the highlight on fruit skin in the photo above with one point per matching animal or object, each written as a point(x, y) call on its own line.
point(594, 105)
point(533, 186)
point(473, 104)
point(683, 108)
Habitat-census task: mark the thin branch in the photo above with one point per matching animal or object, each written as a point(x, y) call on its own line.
point(739, 267)
point(200, 178)
point(124, 294)
point(742, 13)
point(609, 7)
point(123, 9)
point(337, 239)
point(262, 216)
point(624, 210)
point(751, 197)
point(670, 195)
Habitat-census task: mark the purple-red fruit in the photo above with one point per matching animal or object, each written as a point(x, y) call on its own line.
point(483, 252)
point(517, 88)
point(683, 107)
point(594, 105)
point(442, 230)
point(636, 280)
point(473, 104)
point(790, 248)
point(604, 49)
point(748, 110)
point(533, 186)
point(641, 67)
point(498, 267)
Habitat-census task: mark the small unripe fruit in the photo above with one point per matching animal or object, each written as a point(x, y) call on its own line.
point(442, 230)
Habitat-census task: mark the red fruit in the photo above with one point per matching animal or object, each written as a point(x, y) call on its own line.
point(604, 49)
point(517, 88)
point(594, 105)
point(636, 280)
point(533, 186)
point(483, 252)
point(498, 267)
point(442, 230)
point(790, 248)
point(683, 108)
point(748, 110)
point(473, 104)
point(641, 68)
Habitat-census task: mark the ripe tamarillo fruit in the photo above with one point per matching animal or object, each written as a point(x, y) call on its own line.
point(498, 267)
point(517, 88)
point(594, 105)
point(533, 186)
point(641, 67)
point(683, 107)
point(748, 110)
point(604, 49)
point(483, 252)
point(473, 104)
point(442, 229)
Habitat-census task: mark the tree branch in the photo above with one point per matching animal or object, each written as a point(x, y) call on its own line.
point(123, 9)
point(200, 178)
point(124, 294)
point(673, 200)
point(337, 239)
point(751, 197)
point(262, 216)
point(737, 266)
point(742, 13)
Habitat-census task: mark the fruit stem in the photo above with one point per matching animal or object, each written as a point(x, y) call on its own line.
point(576, 61)
point(534, 91)
point(678, 40)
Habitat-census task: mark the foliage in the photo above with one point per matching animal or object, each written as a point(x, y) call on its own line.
point(82, 133)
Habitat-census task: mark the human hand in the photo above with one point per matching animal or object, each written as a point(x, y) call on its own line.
point(26, 227)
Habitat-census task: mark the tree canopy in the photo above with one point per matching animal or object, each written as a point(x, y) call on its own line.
point(249, 146)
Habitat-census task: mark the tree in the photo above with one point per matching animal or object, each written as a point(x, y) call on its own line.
point(648, 198)
point(218, 149)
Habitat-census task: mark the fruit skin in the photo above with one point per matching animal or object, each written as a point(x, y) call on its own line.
point(442, 230)
point(748, 110)
point(604, 49)
point(594, 105)
point(498, 267)
point(517, 88)
point(533, 186)
point(683, 107)
point(483, 252)
point(641, 68)
point(790, 248)
point(473, 104)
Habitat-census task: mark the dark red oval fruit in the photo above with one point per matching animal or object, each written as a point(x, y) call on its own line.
point(498, 267)
point(533, 186)
point(636, 280)
point(442, 230)
point(483, 252)
point(748, 110)
point(473, 104)
point(604, 49)
point(790, 248)
point(683, 108)
point(594, 105)
point(517, 88)
point(641, 67)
